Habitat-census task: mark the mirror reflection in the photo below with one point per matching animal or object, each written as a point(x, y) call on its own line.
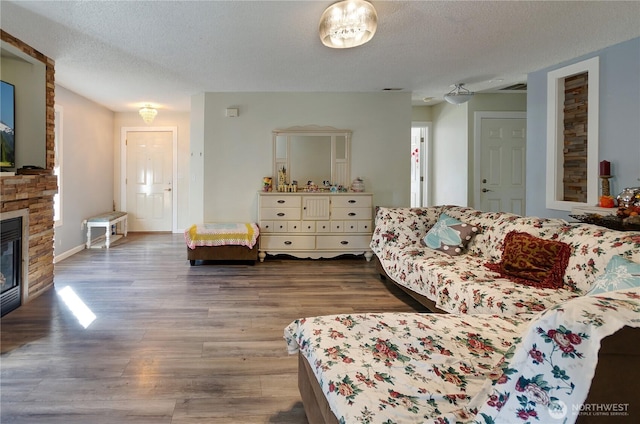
point(319, 155)
point(310, 159)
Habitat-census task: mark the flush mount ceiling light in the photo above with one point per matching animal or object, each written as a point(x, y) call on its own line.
point(348, 23)
point(458, 95)
point(148, 114)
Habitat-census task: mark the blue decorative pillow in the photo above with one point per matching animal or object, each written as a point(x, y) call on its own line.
point(619, 274)
point(449, 235)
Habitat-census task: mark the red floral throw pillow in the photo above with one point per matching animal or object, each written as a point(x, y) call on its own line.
point(533, 261)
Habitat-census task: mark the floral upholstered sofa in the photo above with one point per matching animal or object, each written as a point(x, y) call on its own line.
point(400, 368)
point(466, 270)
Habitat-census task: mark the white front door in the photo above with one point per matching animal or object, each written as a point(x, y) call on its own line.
point(149, 180)
point(502, 165)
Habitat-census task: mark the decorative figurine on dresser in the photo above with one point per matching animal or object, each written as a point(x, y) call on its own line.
point(314, 220)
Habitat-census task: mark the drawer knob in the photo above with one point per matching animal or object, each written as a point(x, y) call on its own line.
point(280, 213)
point(288, 242)
point(352, 214)
point(281, 201)
point(344, 242)
point(352, 201)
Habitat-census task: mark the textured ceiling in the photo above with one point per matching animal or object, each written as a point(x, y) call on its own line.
point(125, 53)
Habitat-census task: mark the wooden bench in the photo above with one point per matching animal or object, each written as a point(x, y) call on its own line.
point(222, 242)
point(106, 220)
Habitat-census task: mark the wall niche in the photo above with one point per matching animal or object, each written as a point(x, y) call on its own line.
point(35, 146)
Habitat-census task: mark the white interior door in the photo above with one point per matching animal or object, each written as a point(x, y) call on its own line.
point(502, 165)
point(420, 168)
point(149, 180)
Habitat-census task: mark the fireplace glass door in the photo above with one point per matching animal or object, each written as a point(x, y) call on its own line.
point(10, 264)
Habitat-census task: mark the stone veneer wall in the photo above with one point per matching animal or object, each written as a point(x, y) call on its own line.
point(35, 192)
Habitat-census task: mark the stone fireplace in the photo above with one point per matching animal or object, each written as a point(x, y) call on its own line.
point(30, 197)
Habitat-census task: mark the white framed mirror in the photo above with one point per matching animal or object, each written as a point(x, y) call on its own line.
point(312, 153)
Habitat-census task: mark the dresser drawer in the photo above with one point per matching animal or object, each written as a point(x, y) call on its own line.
point(351, 213)
point(280, 227)
point(287, 242)
point(348, 201)
point(351, 226)
point(280, 201)
point(357, 226)
point(308, 227)
point(294, 226)
point(266, 226)
point(365, 227)
point(280, 213)
point(345, 242)
point(323, 226)
point(337, 226)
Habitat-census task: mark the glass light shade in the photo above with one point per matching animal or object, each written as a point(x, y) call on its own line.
point(148, 114)
point(348, 23)
point(458, 95)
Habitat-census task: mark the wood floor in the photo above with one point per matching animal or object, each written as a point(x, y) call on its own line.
point(173, 343)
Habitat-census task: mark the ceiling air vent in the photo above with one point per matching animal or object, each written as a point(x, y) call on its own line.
point(522, 86)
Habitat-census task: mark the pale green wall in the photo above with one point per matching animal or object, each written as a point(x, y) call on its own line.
point(450, 148)
point(238, 151)
point(421, 114)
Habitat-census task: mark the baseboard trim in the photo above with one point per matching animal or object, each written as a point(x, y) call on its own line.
point(64, 255)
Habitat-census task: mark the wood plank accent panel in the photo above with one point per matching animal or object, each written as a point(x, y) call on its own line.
point(576, 91)
point(172, 343)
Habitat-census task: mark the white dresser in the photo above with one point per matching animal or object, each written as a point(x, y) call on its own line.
point(315, 225)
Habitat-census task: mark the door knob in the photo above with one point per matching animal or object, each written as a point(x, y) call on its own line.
point(484, 190)
point(167, 189)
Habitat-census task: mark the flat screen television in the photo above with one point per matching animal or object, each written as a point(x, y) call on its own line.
point(7, 125)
